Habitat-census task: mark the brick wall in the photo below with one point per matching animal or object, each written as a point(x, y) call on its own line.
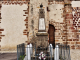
point(25, 32)
point(20, 2)
point(15, 0)
point(1, 29)
point(58, 22)
point(72, 19)
point(68, 17)
point(76, 25)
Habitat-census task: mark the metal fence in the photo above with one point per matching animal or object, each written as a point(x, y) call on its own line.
point(49, 52)
point(20, 50)
point(64, 52)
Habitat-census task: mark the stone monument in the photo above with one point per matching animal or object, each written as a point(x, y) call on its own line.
point(42, 35)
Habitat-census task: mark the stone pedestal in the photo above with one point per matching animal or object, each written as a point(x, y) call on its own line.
point(42, 39)
point(42, 42)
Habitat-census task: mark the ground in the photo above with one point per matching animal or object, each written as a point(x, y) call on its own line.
point(8, 56)
point(75, 54)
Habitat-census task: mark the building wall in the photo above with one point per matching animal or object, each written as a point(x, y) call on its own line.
point(73, 27)
point(13, 22)
point(72, 20)
point(17, 19)
point(60, 15)
point(34, 15)
point(54, 16)
point(76, 23)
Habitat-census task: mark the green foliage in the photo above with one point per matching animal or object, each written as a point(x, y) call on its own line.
point(61, 58)
point(22, 57)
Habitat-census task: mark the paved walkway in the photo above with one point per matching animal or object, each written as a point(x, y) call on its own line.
point(8, 56)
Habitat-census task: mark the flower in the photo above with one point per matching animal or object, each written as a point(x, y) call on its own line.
point(42, 56)
point(39, 57)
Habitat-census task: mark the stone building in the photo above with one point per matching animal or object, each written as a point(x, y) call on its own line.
point(57, 20)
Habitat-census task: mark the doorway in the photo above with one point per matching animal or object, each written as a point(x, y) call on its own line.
point(51, 33)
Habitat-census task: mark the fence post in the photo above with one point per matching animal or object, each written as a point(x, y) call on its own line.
point(56, 57)
point(24, 48)
point(51, 52)
point(35, 52)
point(61, 50)
point(21, 48)
point(69, 52)
point(64, 52)
point(17, 52)
point(30, 48)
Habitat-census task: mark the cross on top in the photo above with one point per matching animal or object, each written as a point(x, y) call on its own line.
point(41, 5)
